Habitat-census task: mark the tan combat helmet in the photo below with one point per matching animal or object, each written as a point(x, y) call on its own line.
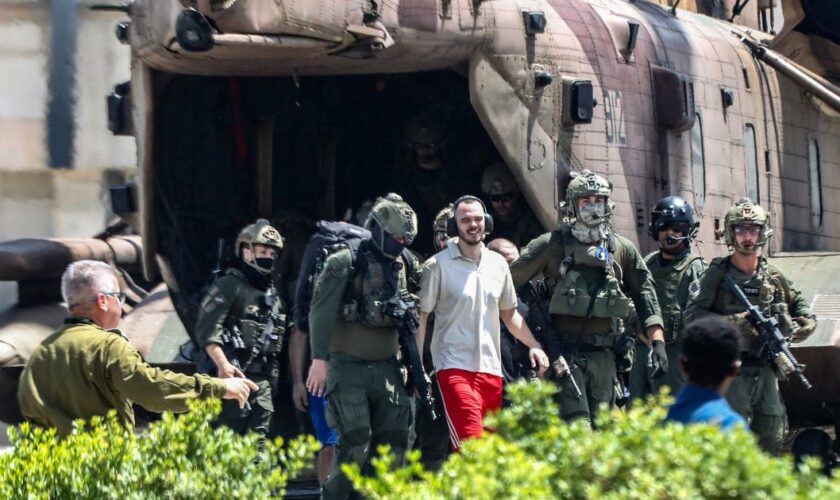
point(588, 183)
point(746, 213)
point(258, 233)
point(497, 179)
point(439, 229)
point(391, 216)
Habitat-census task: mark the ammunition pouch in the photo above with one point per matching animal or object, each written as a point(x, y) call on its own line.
point(369, 313)
point(571, 297)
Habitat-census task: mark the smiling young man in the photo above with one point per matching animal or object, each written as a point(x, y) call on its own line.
point(755, 391)
point(468, 288)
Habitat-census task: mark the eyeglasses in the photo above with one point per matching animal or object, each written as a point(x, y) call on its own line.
point(502, 197)
point(751, 230)
point(441, 236)
point(119, 295)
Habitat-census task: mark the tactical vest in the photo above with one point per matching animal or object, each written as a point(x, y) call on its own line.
point(668, 280)
point(371, 288)
point(587, 285)
point(761, 290)
point(249, 313)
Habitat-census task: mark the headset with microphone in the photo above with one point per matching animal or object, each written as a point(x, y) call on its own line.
point(452, 224)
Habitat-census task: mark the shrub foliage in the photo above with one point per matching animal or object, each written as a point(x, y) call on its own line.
point(533, 454)
point(178, 457)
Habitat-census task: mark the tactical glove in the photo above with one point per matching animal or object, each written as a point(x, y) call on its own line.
point(657, 360)
point(807, 325)
point(742, 322)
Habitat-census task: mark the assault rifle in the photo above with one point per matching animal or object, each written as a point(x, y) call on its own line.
point(403, 309)
point(768, 330)
point(538, 322)
point(267, 335)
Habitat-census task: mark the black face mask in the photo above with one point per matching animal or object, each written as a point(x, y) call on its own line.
point(255, 277)
point(264, 264)
point(387, 246)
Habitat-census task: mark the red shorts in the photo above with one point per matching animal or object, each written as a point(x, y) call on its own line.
point(467, 398)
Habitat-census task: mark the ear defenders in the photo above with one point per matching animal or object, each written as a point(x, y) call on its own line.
point(452, 225)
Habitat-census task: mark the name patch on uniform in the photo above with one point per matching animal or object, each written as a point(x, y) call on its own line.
point(748, 290)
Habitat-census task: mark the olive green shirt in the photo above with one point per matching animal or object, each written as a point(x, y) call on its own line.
point(672, 279)
point(82, 370)
point(711, 295)
point(329, 332)
point(544, 255)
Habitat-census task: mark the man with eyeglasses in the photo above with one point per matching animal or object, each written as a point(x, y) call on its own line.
point(87, 367)
point(513, 219)
point(755, 391)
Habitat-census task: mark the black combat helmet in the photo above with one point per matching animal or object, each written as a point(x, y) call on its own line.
point(675, 212)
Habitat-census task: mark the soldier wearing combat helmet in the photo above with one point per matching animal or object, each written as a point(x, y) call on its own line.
point(354, 340)
point(439, 227)
point(591, 274)
point(241, 324)
point(755, 391)
point(674, 225)
point(512, 219)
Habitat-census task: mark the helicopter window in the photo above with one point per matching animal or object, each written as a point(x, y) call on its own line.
point(816, 181)
point(698, 163)
point(751, 159)
point(746, 78)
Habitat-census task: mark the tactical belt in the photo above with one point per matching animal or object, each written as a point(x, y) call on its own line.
point(591, 342)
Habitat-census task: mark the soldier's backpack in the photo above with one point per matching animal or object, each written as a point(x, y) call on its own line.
point(330, 237)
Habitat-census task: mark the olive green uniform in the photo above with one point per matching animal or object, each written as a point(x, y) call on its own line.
point(367, 402)
point(587, 299)
point(755, 391)
point(232, 301)
point(672, 278)
point(82, 370)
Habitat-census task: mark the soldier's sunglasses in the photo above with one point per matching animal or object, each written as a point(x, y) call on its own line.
point(752, 230)
point(502, 197)
point(119, 295)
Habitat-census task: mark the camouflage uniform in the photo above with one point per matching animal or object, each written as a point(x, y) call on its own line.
point(592, 285)
point(244, 299)
point(755, 391)
point(367, 401)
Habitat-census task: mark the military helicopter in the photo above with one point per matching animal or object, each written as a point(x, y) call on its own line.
point(245, 109)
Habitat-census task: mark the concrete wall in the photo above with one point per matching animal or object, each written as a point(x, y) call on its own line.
point(35, 199)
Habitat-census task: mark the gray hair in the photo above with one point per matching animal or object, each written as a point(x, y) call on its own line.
point(83, 279)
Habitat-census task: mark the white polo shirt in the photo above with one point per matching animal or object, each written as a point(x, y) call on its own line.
point(466, 297)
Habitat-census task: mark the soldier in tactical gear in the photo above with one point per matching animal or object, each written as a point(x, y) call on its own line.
point(755, 391)
point(674, 267)
point(241, 323)
point(439, 227)
point(512, 218)
point(591, 275)
point(430, 180)
point(354, 341)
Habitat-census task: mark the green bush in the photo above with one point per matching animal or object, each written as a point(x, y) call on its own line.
point(533, 454)
point(178, 457)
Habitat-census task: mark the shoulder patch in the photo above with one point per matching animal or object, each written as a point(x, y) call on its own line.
point(694, 289)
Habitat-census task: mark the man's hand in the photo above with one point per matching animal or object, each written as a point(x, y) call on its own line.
point(657, 359)
point(807, 325)
point(538, 359)
point(742, 322)
point(239, 389)
point(227, 370)
point(300, 397)
point(316, 382)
